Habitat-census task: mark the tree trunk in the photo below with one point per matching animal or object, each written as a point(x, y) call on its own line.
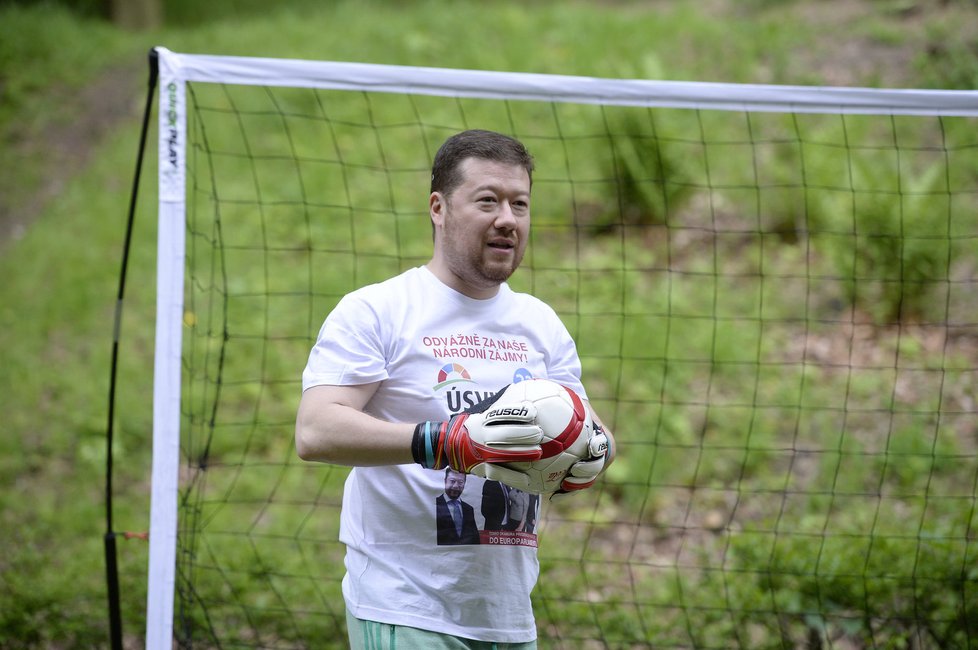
point(136, 14)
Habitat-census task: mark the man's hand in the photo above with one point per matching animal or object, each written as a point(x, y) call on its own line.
point(493, 432)
point(584, 472)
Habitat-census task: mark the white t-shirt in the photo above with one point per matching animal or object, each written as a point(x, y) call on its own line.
point(438, 352)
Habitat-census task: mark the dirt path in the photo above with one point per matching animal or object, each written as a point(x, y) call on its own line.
point(67, 144)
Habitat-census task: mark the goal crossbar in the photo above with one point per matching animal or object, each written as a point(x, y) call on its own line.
point(480, 84)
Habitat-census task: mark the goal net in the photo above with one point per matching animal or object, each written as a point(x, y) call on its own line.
point(773, 293)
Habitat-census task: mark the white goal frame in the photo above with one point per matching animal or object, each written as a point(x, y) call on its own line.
point(176, 70)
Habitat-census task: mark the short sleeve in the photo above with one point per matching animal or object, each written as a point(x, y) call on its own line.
point(563, 364)
point(349, 349)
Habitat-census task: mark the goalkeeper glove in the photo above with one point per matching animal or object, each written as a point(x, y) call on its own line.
point(584, 472)
point(478, 440)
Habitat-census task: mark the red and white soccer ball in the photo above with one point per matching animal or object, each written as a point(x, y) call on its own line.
point(567, 429)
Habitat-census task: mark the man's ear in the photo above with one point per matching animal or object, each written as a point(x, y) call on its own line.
point(437, 205)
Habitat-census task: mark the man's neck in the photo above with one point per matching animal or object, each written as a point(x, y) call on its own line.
point(452, 281)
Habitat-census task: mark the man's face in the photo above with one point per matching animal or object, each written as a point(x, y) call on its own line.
point(485, 223)
point(454, 484)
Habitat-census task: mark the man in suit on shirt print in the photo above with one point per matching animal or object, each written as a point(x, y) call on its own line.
point(455, 518)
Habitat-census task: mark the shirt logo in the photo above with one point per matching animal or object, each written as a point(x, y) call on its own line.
point(452, 373)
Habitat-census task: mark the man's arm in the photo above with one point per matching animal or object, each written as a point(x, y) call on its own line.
point(331, 427)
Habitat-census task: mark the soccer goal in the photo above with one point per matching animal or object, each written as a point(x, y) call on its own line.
point(774, 294)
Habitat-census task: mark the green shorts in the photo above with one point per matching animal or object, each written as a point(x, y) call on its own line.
point(369, 635)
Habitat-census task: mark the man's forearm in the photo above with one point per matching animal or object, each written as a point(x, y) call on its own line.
point(343, 435)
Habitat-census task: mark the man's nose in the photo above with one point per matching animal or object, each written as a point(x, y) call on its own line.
point(505, 218)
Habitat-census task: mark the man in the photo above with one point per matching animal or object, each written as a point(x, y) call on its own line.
point(507, 508)
point(386, 390)
point(454, 518)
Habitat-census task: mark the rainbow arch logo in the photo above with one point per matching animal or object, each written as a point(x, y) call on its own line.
point(452, 373)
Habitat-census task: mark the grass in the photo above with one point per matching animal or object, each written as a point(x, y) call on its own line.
point(804, 573)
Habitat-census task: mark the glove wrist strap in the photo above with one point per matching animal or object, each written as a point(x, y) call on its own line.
point(427, 446)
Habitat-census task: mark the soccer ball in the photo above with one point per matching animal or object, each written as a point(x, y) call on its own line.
point(567, 429)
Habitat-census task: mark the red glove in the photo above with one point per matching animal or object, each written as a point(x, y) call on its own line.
point(495, 431)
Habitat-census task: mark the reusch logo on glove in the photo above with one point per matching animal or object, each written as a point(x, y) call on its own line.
point(508, 412)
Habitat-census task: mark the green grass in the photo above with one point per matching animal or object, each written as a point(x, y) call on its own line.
point(798, 571)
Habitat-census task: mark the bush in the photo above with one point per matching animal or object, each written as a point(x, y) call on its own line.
point(890, 243)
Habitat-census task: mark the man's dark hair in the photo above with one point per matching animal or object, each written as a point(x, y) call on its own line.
point(486, 145)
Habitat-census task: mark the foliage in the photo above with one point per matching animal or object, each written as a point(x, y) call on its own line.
point(45, 50)
point(645, 163)
point(883, 219)
point(950, 60)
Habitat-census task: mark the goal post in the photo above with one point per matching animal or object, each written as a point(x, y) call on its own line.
point(723, 492)
point(167, 382)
